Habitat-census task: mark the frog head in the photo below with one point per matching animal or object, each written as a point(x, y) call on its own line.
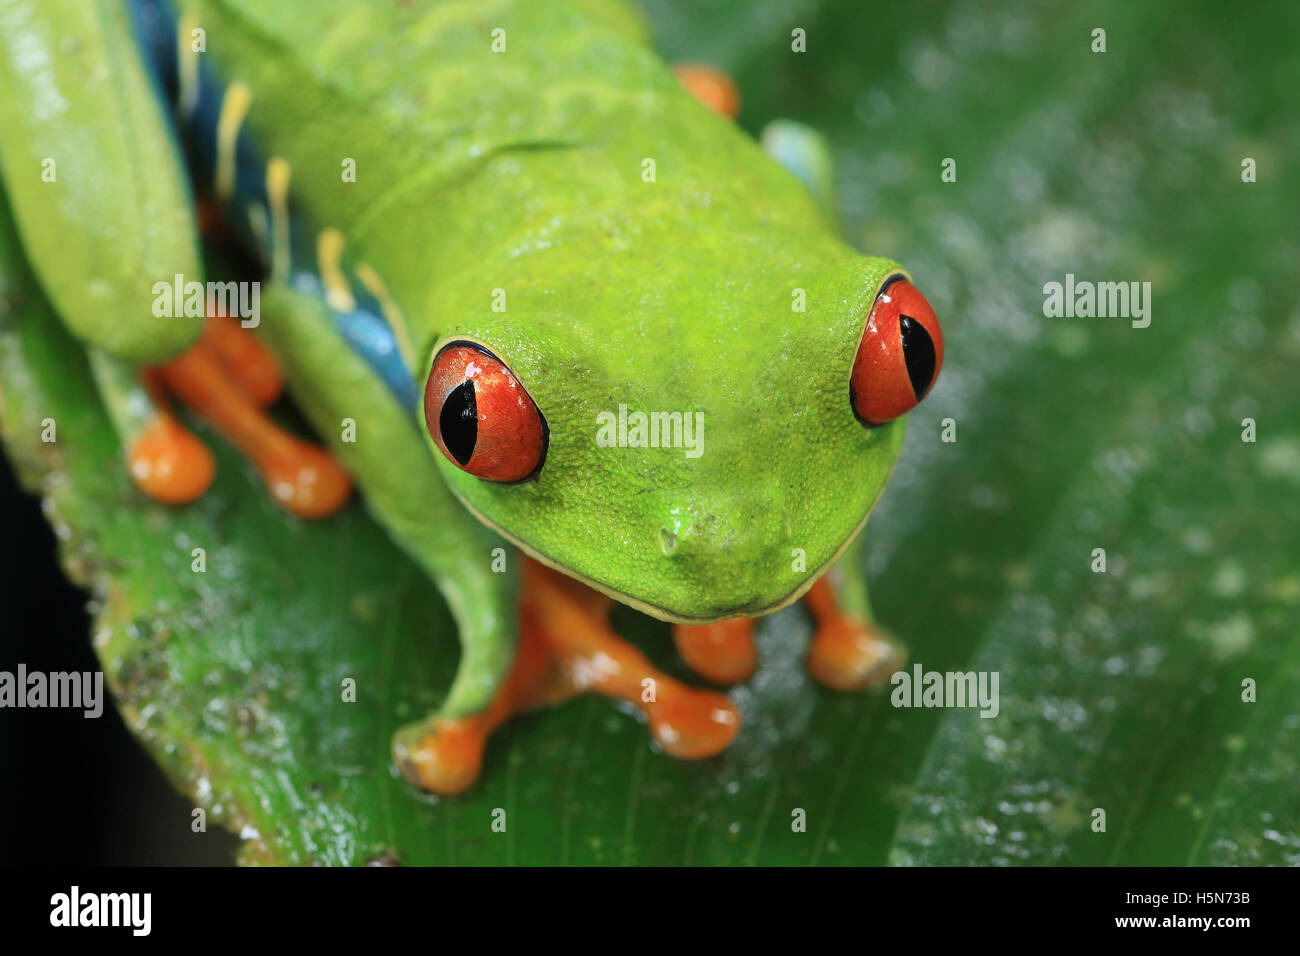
point(697, 442)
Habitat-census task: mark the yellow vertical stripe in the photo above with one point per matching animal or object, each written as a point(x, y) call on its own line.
point(277, 192)
point(234, 107)
point(329, 256)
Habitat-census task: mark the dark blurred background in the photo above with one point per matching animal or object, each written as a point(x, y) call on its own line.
point(112, 804)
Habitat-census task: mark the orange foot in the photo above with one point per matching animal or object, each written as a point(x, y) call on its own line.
point(566, 648)
point(848, 653)
point(228, 377)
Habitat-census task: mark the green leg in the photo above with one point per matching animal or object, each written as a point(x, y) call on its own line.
point(392, 464)
point(130, 407)
point(849, 578)
point(97, 185)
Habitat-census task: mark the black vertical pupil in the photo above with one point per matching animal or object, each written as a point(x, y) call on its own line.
point(918, 354)
point(458, 422)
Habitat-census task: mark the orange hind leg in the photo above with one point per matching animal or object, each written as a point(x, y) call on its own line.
point(229, 378)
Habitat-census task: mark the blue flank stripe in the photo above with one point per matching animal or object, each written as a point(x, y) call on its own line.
point(364, 328)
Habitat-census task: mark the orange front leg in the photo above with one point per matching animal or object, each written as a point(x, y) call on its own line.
point(848, 651)
point(566, 648)
point(723, 652)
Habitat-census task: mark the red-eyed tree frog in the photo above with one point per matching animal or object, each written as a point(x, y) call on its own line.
point(574, 336)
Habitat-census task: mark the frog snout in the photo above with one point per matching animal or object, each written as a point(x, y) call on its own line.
point(691, 529)
point(729, 560)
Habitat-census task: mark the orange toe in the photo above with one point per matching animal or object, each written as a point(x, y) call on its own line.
point(305, 480)
point(849, 655)
point(692, 724)
point(447, 759)
point(169, 464)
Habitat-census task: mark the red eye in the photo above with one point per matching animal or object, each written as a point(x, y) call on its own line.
point(900, 355)
point(481, 417)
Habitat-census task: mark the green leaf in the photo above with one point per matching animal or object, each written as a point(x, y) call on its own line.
point(1119, 690)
